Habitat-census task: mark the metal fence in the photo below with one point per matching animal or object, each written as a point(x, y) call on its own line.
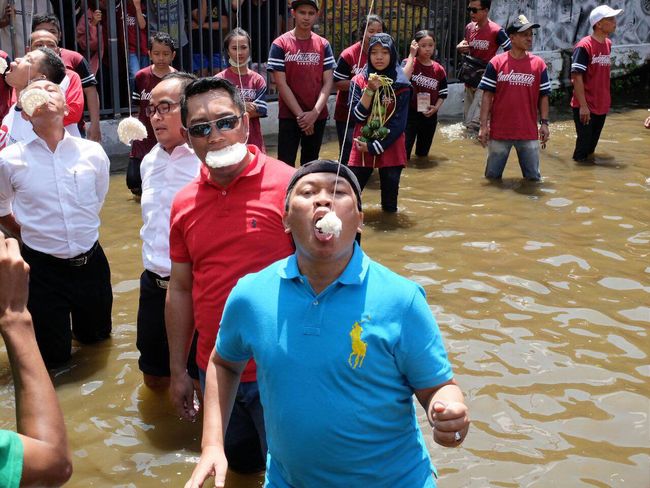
point(199, 26)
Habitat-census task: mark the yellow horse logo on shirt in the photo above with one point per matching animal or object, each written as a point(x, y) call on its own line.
point(358, 346)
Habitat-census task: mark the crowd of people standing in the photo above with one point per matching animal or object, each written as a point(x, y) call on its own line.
point(244, 299)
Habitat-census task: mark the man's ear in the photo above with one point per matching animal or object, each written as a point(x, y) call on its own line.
point(285, 223)
point(360, 226)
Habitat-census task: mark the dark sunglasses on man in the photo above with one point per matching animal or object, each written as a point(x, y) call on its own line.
point(474, 10)
point(224, 124)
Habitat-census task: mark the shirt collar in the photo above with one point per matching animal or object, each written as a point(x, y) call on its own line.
point(38, 140)
point(353, 274)
point(178, 152)
point(253, 168)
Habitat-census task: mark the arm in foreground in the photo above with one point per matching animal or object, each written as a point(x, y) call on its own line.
point(446, 412)
point(46, 457)
point(222, 380)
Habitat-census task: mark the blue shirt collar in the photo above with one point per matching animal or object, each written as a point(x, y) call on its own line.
point(353, 274)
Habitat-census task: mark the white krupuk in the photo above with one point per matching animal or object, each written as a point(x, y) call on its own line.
point(227, 156)
point(131, 129)
point(3, 65)
point(330, 224)
point(33, 98)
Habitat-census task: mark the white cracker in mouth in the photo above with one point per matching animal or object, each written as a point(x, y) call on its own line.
point(33, 98)
point(227, 156)
point(330, 224)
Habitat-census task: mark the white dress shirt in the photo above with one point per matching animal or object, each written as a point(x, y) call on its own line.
point(56, 196)
point(163, 174)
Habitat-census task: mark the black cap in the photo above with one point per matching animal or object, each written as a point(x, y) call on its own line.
point(297, 3)
point(325, 166)
point(521, 24)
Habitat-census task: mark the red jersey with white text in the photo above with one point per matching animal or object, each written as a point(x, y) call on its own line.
point(252, 87)
point(145, 81)
point(226, 233)
point(348, 65)
point(517, 85)
point(485, 41)
point(591, 58)
point(428, 79)
point(303, 62)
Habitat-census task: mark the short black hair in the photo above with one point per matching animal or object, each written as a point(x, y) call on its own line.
point(184, 78)
point(204, 85)
point(39, 19)
point(370, 19)
point(162, 38)
point(52, 66)
point(486, 4)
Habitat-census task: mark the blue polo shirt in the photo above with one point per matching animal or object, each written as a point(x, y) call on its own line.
point(336, 372)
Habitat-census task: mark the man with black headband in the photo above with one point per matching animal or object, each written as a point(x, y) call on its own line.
point(341, 344)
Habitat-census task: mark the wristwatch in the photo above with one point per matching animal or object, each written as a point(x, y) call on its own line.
point(543, 122)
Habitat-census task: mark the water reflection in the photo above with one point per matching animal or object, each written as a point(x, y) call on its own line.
point(542, 292)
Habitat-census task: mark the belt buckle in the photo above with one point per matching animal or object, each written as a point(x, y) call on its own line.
point(81, 261)
point(164, 284)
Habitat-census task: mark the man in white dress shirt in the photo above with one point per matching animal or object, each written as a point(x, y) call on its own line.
point(51, 191)
point(168, 167)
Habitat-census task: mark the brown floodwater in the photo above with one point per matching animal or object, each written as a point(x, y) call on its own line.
point(542, 292)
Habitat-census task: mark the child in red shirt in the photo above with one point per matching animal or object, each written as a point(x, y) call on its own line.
point(251, 84)
point(162, 52)
point(429, 81)
point(388, 154)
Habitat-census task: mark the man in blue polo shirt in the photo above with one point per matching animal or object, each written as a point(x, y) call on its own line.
point(341, 345)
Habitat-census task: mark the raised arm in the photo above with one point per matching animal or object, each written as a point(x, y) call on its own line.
point(46, 456)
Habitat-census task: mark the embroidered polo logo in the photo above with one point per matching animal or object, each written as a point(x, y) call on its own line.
point(358, 346)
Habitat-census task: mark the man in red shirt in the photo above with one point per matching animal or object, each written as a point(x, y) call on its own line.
point(482, 40)
point(590, 69)
point(516, 88)
point(224, 224)
point(77, 63)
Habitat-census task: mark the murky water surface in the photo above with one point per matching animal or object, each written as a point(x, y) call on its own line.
point(541, 291)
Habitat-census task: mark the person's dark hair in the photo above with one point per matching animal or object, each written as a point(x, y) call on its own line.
point(51, 66)
point(204, 85)
point(39, 19)
point(162, 38)
point(370, 19)
point(486, 4)
point(183, 78)
point(236, 32)
point(424, 33)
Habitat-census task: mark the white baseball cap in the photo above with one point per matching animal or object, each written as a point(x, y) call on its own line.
point(602, 12)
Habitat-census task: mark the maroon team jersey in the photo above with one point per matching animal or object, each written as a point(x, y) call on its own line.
point(430, 79)
point(591, 58)
point(145, 81)
point(485, 41)
point(517, 85)
point(303, 62)
point(348, 65)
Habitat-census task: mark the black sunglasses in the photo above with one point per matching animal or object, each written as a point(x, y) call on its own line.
point(161, 108)
point(224, 124)
point(474, 9)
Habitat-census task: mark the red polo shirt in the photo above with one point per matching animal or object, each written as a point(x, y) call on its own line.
point(227, 233)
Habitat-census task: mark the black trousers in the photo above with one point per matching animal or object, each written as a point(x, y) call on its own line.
point(388, 181)
point(133, 178)
point(290, 137)
point(62, 295)
point(151, 336)
point(588, 134)
point(345, 140)
point(421, 128)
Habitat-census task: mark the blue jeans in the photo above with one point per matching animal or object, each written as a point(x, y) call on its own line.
point(136, 63)
point(245, 442)
point(527, 152)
